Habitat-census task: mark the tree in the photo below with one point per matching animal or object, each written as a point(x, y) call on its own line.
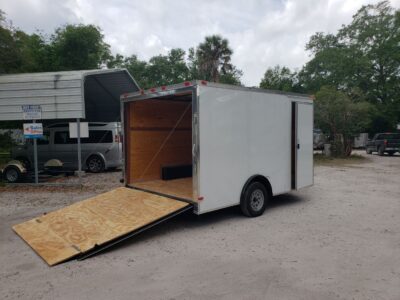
point(363, 55)
point(10, 56)
point(341, 117)
point(77, 47)
point(280, 78)
point(160, 70)
point(117, 61)
point(138, 69)
point(168, 69)
point(21, 52)
point(211, 61)
point(231, 77)
point(9, 61)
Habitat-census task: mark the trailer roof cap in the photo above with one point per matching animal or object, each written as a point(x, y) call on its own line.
point(165, 90)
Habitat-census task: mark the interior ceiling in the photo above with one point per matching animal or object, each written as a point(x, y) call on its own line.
point(102, 95)
point(181, 97)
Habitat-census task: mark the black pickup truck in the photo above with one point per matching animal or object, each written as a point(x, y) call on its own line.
point(384, 143)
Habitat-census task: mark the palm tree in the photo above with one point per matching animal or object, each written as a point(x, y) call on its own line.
point(213, 58)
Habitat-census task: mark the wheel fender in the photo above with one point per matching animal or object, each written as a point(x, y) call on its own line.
point(17, 164)
point(259, 178)
point(23, 157)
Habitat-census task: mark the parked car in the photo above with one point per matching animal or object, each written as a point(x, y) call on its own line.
point(100, 151)
point(360, 141)
point(384, 143)
point(319, 139)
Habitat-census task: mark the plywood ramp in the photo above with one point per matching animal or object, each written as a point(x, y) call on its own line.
point(78, 228)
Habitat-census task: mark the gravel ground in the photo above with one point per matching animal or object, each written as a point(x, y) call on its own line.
point(339, 239)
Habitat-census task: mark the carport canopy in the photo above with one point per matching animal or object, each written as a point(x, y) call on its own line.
point(91, 95)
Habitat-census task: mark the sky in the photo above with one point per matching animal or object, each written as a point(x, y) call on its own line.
point(261, 33)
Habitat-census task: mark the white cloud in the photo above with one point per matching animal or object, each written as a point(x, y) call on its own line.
point(261, 33)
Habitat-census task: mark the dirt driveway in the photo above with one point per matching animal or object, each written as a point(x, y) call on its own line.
point(339, 239)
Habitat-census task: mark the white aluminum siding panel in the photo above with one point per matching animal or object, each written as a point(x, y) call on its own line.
point(40, 85)
point(60, 96)
point(242, 134)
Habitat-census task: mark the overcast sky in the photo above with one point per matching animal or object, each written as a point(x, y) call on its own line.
point(262, 33)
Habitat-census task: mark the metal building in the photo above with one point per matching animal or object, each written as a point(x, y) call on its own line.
point(92, 95)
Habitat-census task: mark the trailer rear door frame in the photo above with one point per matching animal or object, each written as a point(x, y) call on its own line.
point(159, 94)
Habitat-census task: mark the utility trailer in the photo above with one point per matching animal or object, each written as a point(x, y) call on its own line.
point(196, 146)
point(223, 138)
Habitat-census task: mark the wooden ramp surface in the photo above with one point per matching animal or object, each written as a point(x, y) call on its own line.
point(78, 228)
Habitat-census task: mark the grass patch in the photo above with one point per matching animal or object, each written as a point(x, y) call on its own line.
point(321, 159)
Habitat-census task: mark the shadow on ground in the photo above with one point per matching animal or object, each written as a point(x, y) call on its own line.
point(190, 221)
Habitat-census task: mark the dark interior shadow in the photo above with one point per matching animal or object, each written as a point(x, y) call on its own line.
point(189, 220)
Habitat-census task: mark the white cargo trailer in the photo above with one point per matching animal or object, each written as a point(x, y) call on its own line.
point(196, 146)
point(217, 145)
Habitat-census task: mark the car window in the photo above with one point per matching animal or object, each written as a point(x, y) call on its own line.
point(95, 136)
point(98, 136)
point(62, 138)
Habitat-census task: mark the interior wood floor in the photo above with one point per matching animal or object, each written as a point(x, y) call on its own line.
point(181, 188)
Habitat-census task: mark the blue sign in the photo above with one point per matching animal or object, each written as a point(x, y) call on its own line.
point(33, 130)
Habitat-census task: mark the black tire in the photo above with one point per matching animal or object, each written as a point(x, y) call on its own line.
point(12, 174)
point(391, 153)
point(254, 200)
point(95, 164)
point(369, 151)
point(25, 162)
point(380, 151)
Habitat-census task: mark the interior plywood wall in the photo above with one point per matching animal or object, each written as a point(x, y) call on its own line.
point(153, 141)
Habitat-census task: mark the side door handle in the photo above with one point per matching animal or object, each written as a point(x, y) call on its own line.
point(298, 146)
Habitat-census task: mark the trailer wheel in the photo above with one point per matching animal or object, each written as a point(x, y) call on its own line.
point(12, 174)
point(254, 200)
point(369, 151)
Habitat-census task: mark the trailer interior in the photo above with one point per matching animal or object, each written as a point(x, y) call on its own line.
point(159, 145)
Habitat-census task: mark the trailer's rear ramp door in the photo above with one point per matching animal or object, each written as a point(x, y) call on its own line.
point(95, 222)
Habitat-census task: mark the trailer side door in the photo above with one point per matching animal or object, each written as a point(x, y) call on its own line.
point(304, 145)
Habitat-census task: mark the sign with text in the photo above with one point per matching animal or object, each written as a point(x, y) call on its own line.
point(73, 130)
point(33, 130)
point(32, 112)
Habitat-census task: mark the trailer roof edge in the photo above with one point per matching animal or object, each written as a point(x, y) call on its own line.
point(167, 89)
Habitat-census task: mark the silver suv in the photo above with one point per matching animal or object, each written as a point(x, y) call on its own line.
point(100, 151)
